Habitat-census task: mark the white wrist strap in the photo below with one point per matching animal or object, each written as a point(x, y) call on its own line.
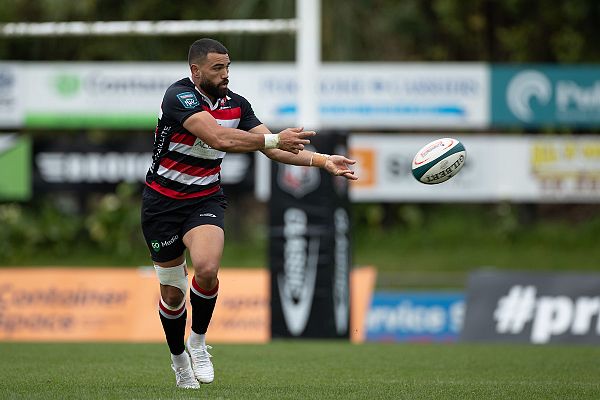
point(271, 140)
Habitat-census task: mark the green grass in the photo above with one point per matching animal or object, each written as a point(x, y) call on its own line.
point(304, 370)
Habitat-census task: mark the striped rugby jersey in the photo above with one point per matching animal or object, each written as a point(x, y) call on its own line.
point(183, 166)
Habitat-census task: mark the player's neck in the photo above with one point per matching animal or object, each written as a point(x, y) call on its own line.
point(212, 99)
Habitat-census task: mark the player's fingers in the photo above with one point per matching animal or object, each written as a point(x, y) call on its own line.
point(305, 134)
point(300, 146)
point(349, 161)
point(303, 141)
point(348, 174)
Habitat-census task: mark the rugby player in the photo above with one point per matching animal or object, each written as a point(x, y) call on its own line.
point(183, 204)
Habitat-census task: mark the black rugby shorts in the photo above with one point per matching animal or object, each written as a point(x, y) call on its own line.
point(166, 220)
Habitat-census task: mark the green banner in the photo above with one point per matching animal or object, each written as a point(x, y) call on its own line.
point(15, 168)
point(76, 121)
point(546, 95)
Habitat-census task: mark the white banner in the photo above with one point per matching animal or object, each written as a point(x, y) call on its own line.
point(352, 95)
point(119, 95)
point(373, 95)
point(514, 168)
point(12, 96)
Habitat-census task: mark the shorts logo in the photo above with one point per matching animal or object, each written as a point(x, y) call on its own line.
point(155, 245)
point(207, 215)
point(188, 99)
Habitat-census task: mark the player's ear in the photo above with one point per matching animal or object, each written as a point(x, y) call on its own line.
point(195, 69)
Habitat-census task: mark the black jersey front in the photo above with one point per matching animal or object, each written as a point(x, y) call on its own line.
point(183, 166)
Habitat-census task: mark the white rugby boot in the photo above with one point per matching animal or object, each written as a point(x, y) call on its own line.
point(184, 376)
point(201, 364)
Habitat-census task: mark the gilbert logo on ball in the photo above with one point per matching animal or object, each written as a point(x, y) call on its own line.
point(438, 161)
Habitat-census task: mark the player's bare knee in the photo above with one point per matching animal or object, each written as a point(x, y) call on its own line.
point(206, 273)
point(171, 295)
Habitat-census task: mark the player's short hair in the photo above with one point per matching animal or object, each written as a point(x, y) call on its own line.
point(201, 47)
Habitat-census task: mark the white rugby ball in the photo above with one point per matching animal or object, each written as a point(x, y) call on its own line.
point(438, 161)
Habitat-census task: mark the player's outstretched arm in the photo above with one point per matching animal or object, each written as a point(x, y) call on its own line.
point(205, 127)
point(334, 164)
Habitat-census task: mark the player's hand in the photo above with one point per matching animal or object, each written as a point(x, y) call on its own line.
point(339, 166)
point(294, 139)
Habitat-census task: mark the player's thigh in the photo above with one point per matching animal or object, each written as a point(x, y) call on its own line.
point(203, 232)
point(205, 245)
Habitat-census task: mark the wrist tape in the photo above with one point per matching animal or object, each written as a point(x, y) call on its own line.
point(271, 140)
point(318, 160)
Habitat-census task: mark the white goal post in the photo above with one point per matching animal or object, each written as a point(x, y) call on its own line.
point(147, 28)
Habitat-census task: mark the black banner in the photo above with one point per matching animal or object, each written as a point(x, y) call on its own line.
point(85, 163)
point(309, 254)
point(530, 307)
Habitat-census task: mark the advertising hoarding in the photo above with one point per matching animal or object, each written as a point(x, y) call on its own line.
point(352, 95)
point(525, 168)
point(121, 304)
point(13, 96)
point(532, 307)
point(15, 167)
point(415, 317)
point(64, 161)
point(545, 95)
point(310, 249)
point(374, 95)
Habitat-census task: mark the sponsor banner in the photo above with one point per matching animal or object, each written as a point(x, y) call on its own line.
point(95, 304)
point(310, 249)
point(374, 95)
point(110, 95)
point(530, 307)
point(415, 317)
point(352, 95)
point(15, 167)
point(117, 304)
point(12, 95)
point(362, 284)
point(68, 162)
point(546, 169)
point(542, 95)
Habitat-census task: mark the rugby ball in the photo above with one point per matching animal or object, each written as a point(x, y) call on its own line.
point(438, 161)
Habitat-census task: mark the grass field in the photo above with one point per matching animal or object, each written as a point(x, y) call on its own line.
point(304, 370)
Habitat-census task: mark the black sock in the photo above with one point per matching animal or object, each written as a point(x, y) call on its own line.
point(173, 322)
point(203, 303)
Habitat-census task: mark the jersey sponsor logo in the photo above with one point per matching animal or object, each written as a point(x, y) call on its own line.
point(155, 245)
point(203, 150)
point(188, 99)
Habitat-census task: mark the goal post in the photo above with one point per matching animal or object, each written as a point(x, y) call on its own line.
point(148, 28)
point(306, 27)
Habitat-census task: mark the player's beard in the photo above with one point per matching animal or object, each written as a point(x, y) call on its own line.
point(217, 91)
